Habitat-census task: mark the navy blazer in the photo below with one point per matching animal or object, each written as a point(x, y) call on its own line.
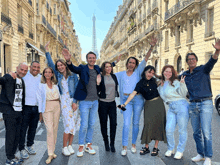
point(8, 93)
point(83, 71)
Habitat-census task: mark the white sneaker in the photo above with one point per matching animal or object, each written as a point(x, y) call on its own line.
point(124, 152)
point(178, 155)
point(198, 158)
point(65, 151)
point(207, 161)
point(133, 150)
point(80, 154)
point(89, 150)
point(169, 153)
point(71, 150)
point(24, 154)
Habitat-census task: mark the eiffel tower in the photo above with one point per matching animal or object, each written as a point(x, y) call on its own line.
point(94, 44)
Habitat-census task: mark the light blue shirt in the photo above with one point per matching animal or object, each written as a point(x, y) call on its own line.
point(137, 72)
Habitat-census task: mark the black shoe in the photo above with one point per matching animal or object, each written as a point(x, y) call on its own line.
point(107, 148)
point(155, 152)
point(144, 151)
point(113, 148)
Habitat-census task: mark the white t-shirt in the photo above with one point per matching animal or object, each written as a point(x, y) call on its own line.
point(17, 105)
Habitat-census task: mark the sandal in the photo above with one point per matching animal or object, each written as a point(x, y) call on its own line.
point(144, 151)
point(155, 152)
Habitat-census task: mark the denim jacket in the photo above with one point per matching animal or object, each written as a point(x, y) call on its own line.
point(72, 79)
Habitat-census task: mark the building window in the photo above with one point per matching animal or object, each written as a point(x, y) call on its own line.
point(166, 5)
point(166, 40)
point(166, 61)
point(190, 31)
point(177, 36)
point(5, 9)
point(54, 9)
point(179, 64)
point(209, 23)
point(37, 8)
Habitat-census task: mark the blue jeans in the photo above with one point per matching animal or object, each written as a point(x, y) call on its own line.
point(201, 120)
point(177, 114)
point(88, 114)
point(135, 106)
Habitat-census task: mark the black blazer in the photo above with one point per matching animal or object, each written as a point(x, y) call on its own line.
point(7, 95)
point(101, 87)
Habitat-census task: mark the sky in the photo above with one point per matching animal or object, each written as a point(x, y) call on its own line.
point(82, 12)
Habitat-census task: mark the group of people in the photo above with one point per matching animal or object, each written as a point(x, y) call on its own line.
point(28, 97)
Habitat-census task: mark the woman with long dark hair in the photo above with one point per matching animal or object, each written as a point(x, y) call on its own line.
point(107, 106)
point(67, 83)
point(48, 98)
point(154, 111)
point(173, 92)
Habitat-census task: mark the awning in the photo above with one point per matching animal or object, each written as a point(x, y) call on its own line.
point(35, 48)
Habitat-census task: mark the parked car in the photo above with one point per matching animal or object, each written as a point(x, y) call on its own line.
point(217, 103)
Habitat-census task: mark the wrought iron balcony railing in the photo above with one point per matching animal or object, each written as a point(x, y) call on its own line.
point(51, 29)
point(179, 6)
point(5, 18)
point(20, 29)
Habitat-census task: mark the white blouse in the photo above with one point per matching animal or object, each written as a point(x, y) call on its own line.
point(171, 93)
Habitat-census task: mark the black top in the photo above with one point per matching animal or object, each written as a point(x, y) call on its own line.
point(101, 87)
point(148, 88)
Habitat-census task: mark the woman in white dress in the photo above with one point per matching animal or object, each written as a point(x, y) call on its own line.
point(67, 82)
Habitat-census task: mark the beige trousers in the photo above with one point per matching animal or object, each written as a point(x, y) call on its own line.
point(51, 119)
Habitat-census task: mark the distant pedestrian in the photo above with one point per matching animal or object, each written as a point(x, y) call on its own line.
point(154, 111)
point(30, 112)
point(67, 83)
point(108, 90)
point(201, 106)
point(48, 97)
point(181, 72)
point(173, 93)
point(12, 103)
point(127, 81)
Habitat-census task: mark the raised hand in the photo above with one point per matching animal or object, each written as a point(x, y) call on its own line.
point(182, 80)
point(46, 46)
point(13, 75)
point(119, 58)
point(153, 41)
point(66, 54)
point(217, 44)
point(98, 79)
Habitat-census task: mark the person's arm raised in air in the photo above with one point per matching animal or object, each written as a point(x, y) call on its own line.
point(71, 67)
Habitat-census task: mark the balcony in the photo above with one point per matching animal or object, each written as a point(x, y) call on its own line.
point(31, 35)
point(149, 12)
point(60, 39)
point(155, 6)
point(178, 7)
point(6, 19)
point(20, 29)
point(51, 30)
point(30, 2)
point(149, 29)
point(44, 20)
point(116, 44)
point(42, 48)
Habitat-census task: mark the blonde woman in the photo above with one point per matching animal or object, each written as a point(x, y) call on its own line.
point(48, 97)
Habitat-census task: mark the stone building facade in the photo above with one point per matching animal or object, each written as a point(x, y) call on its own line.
point(27, 25)
point(181, 26)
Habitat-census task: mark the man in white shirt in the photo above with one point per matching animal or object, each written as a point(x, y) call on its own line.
point(30, 112)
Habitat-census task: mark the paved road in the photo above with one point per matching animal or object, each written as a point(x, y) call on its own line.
point(107, 158)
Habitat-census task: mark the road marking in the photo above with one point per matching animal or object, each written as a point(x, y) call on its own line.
point(2, 142)
point(86, 159)
point(40, 148)
point(40, 131)
point(2, 130)
point(137, 159)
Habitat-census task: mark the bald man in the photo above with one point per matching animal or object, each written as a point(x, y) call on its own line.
point(12, 101)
